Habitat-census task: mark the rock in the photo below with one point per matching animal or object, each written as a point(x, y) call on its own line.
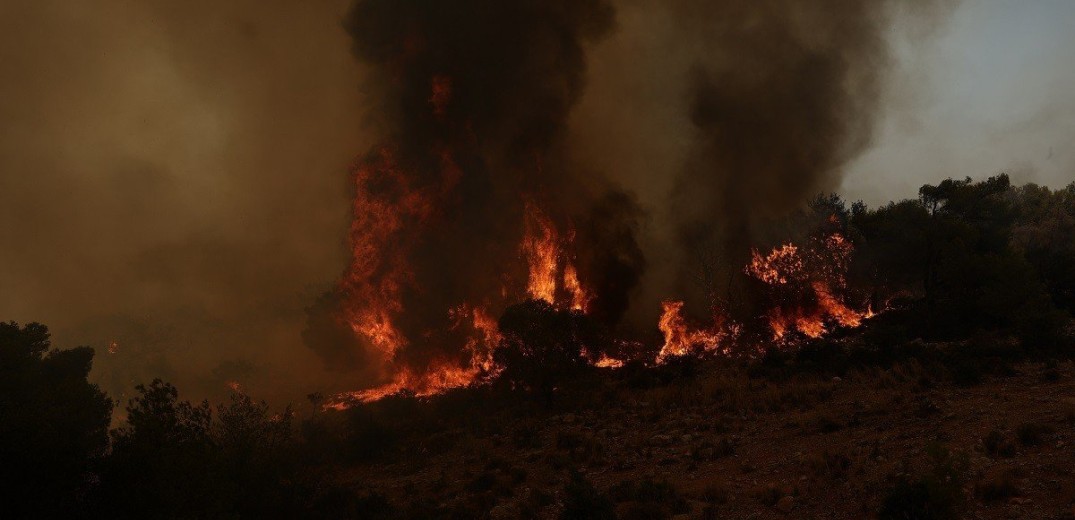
point(786, 504)
point(569, 419)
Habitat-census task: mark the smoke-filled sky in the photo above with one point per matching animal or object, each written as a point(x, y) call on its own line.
point(990, 92)
point(174, 176)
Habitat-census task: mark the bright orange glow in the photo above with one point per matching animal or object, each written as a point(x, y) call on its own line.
point(552, 276)
point(440, 377)
point(819, 271)
point(778, 267)
point(580, 299)
point(378, 268)
point(541, 246)
point(608, 362)
point(805, 284)
point(679, 338)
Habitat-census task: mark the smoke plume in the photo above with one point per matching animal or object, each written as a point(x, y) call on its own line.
point(473, 99)
point(727, 116)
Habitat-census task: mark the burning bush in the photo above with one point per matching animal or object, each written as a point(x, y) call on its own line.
point(544, 347)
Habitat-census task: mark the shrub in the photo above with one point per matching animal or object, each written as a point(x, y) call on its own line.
point(584, 502)
point(1000, 485)
point(1033, 434)
point(996, 445)
point(936, 495)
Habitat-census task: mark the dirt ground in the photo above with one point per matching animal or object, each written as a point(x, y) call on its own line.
point(727, 446)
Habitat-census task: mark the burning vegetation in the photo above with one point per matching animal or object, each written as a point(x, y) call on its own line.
point(475, 201)
point(497, 276)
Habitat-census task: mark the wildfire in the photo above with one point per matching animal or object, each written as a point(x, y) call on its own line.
point(679, 338)
point(608, 362)
point(551, 272)
point(392, 208)
point(778, 267)
point(817, 271)
point(441, 376)
point(394, 205)
point(378, 269)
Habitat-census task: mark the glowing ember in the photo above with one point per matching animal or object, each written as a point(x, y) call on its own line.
point(608, 362)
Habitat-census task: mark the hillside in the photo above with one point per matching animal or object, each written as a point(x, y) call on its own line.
point(720, 444)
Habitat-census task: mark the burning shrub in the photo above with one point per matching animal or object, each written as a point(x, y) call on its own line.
point(543, 347)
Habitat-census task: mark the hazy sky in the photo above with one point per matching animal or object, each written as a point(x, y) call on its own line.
point(992, 91)
point(174, 175)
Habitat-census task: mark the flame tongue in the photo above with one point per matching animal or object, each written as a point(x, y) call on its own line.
point(816, 271)
point(383, 223)
point(680, 338)
point(552, 275)
point(378, 274)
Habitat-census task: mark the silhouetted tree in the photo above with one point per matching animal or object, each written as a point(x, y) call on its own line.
point(160, 462)
point(53, 425)
point(981, 255)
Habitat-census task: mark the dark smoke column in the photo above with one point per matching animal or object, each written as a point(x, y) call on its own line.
point(472, 99)
point(787, 93)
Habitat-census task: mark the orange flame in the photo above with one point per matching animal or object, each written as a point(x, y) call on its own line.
point(819, 269)
point(551, 272)
point(440, 377)
point(541, 245)
point(608, 362)
point(679, 338)
point(378, 266)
